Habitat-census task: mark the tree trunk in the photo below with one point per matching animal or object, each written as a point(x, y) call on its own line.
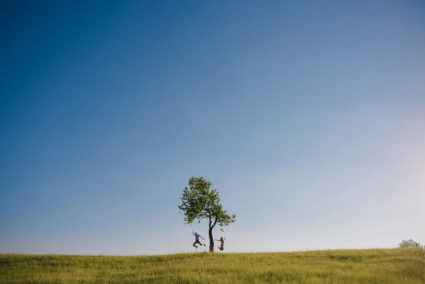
point(211, 239)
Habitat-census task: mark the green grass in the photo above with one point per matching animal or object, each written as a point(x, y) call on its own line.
point(338, 266)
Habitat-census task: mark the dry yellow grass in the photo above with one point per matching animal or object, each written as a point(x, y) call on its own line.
point(338, 266)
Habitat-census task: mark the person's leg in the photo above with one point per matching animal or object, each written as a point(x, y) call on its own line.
point(194, 244)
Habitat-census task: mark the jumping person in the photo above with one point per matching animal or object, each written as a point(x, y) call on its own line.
point(197, 236)
point(221, 240)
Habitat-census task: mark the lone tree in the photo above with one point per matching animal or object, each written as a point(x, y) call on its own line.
point(201, 202)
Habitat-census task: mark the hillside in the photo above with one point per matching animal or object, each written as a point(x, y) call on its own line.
point(338, 266)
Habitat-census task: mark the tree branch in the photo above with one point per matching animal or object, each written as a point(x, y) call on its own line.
point(215, 222)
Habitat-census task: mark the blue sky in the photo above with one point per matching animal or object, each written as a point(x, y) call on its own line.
point(309, 117)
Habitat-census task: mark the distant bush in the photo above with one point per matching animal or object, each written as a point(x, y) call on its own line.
point(409, 244)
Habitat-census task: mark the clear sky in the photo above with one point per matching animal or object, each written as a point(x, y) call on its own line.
point(307, 116)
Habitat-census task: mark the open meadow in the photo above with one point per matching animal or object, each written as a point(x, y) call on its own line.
point(336, 266)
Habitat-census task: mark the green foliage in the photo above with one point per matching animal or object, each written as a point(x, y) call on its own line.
point(381, 266)
point(199, 201)
point(409, 244)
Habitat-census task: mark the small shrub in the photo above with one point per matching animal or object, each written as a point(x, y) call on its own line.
point(409, 244)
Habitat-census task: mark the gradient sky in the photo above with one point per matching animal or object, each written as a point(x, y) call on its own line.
point(308, 116)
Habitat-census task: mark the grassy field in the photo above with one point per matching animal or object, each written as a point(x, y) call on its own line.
point(338, 266)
